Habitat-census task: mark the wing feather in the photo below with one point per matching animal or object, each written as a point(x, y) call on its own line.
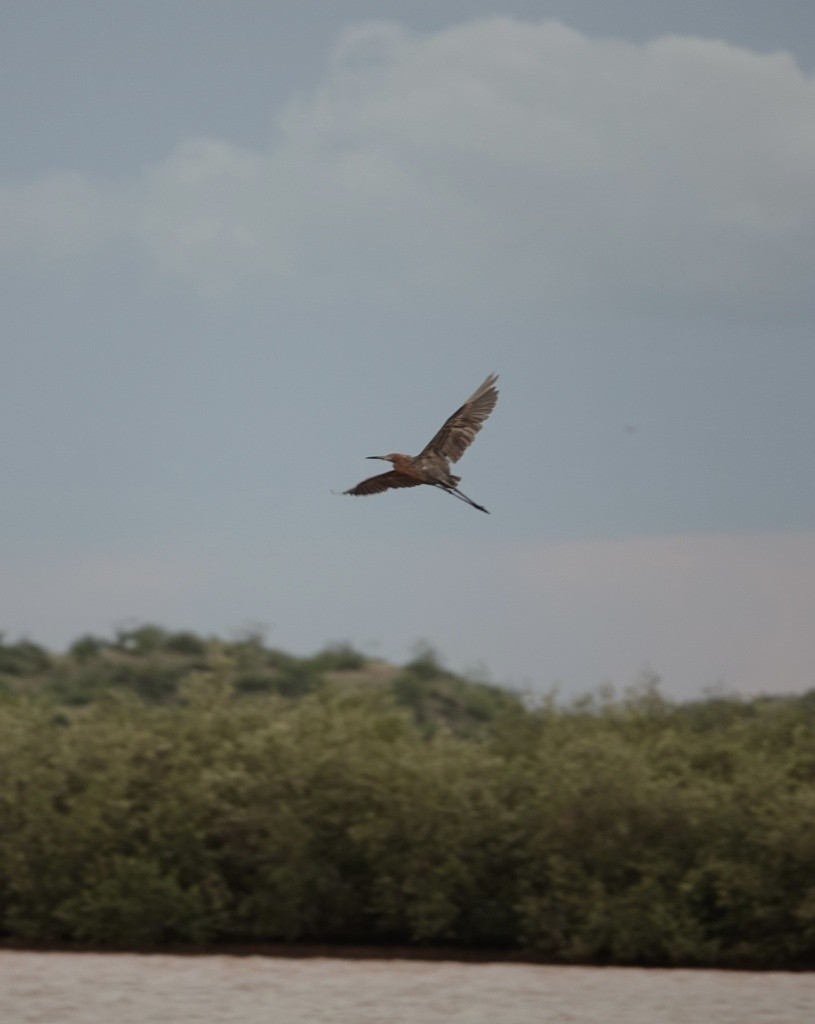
point(383, 482)
point(459, 430)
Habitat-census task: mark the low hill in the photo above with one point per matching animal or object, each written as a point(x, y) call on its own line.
point(152, 663)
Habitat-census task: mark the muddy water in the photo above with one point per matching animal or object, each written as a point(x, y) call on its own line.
point(89, 988)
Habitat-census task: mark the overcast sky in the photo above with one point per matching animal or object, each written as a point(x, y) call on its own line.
point(246, 244)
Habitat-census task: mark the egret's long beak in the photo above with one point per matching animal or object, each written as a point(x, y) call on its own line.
point(382, 457)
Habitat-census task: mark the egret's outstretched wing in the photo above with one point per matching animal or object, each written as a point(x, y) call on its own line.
point(383, 482)
point(459, 430)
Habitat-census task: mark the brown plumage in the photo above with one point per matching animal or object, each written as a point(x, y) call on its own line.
point(432, 464)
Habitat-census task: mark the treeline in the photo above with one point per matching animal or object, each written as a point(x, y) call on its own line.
point(163, 788)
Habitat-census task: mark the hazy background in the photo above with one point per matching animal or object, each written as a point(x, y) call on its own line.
point(246, 244)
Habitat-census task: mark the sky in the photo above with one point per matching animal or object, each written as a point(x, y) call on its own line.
point(245, 245)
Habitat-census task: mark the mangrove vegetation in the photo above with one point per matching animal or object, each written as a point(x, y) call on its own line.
point(163, 788)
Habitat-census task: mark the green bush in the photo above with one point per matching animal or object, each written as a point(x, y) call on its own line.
point(23, 658)
point(145, 802)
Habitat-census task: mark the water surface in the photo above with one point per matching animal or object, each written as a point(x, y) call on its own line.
point(126, 988)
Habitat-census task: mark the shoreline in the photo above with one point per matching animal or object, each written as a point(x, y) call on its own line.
point(353, 952)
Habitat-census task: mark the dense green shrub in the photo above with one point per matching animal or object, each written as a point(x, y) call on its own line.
point(338, 658)
point(23, 658)
point(626, 830)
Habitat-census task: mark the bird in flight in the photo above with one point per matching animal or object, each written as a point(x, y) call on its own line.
point(432, 464)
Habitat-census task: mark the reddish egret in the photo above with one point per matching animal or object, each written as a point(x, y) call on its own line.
point(432, 464)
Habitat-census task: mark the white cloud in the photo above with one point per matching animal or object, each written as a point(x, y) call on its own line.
point(526, 162)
